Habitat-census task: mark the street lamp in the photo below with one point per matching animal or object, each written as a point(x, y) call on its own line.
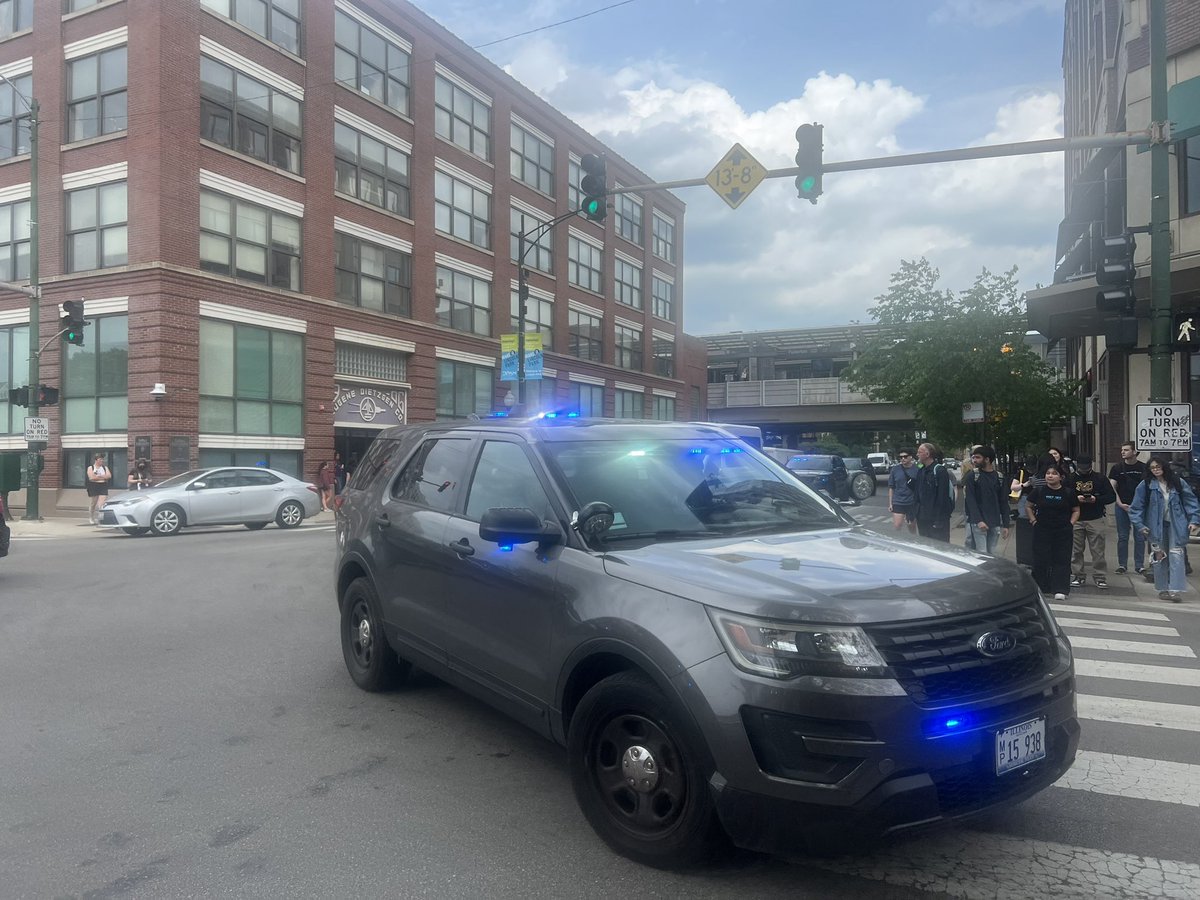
point(33, 292)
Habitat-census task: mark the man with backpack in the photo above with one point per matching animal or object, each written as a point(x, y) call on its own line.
point(986, 498)
point(935, 494)
point(1095, 493)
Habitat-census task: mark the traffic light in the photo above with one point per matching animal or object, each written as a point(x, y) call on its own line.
point(18, 396)
point(593, 185)
point(71, 324)
point(810, 159)
point(1116, 271)
point(46, 395)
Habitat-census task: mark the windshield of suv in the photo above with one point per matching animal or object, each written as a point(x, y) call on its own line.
point(667, 489)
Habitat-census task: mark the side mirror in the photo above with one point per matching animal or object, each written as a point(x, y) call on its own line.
point(517, 525)
point(197, 486)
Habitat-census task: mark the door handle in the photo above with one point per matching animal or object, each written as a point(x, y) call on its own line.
point(383, 521)
point(462, 547)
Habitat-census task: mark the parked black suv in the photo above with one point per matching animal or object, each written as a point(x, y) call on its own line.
point(719, 648)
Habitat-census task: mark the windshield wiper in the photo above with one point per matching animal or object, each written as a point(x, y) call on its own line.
point(666, 534)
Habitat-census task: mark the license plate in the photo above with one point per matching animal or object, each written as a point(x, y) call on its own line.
point(1019, 745)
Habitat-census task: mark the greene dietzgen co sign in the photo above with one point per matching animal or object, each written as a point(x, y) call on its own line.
point(1164, 427)
point(368, 407)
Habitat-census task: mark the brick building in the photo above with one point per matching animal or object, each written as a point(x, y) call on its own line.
point(1106, 69)
point(294, 216)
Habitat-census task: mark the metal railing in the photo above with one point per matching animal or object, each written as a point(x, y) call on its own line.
point(784, 392)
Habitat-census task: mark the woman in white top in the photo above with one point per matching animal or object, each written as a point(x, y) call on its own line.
point(98, 478)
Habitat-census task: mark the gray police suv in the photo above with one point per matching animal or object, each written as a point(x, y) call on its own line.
point(723, 652)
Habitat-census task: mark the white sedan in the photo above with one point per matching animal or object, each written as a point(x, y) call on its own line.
point(249, 495)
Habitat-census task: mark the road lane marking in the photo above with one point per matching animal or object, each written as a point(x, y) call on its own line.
point(1124, 627)
point(1091, 643)
point(1122, 613)
point(1175, 716)
point(1098, 668)
point(1132, 776)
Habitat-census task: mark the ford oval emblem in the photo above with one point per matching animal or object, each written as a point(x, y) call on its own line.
point(996, 643)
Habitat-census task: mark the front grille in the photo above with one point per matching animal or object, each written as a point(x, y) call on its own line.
point(936, 660)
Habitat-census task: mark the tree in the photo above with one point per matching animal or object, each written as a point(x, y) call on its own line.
point(941, 350)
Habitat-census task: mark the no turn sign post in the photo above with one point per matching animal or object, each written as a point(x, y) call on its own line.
point(1164, 427)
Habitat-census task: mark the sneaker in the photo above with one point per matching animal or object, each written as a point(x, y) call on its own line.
point(1141, 570)
point(1120, 570)
point(1101, 582)
point(1060, 596)
point(1170, 595)
point(1078, 581)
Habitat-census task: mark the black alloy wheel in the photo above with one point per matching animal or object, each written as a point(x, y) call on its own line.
point(370, 660)
point(638, 780)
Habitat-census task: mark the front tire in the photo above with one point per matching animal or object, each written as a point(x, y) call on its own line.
point(623, 729)
point(290, 515)
point(166, 520)
point(370, 660)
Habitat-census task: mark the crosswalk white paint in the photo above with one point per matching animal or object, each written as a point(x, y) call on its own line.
point(1120, 613)
point(1147, 647)
point(1103, 668)
point(1131, 776)
point(1176, 716)
point(1123, 627)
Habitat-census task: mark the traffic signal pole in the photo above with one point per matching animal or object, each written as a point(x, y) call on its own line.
point(1161, 357)
point(33, 475)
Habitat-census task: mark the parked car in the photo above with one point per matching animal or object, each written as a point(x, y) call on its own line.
point(721, 650)
point(862, 477)
point(823, 472)
point(881, 462)
point(252, 496)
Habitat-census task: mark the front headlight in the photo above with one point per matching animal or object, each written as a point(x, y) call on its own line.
point(134, 501)
point(787, 650)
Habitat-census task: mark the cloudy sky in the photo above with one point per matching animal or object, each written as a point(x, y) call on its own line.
point(671, 84)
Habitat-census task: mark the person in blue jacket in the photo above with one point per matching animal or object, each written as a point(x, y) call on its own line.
point(1165, 509)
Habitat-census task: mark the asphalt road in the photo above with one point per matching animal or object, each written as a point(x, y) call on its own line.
point(177, 722)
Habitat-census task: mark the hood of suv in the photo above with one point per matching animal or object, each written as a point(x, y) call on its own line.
point(838, 575)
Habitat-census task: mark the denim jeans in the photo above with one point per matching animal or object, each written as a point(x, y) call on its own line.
point(983, 541)
point(1139, 543)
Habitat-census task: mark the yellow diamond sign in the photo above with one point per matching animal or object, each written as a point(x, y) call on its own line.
point(736, 175)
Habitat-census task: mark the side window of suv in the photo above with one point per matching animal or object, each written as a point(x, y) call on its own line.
point(504, 477)
point(432, 477)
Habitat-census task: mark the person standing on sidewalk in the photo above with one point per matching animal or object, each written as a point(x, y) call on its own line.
point(1165, 510)
point(98, 478)
point(1124, 477)
point(1094, 493)
point(902, 502)
point(935, 494)
point(986, 499)
point(1052, 510)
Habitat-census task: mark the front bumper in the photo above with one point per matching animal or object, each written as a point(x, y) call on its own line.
point(124, 517)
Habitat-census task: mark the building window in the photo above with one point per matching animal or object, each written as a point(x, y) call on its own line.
point(628, 347)
point(15, 15)
point(1189, 165)
point(574, 173)
point(97, 227)
point(461, 117)
point(14, 241)
point(15, 115)
point(371, 276)
point(370, 170)
point(246, 241)
point(76, 462)
point(628, 404)
point(698, 410)
point(95, 392)
point(587, 400)
point(664, 408)
point(285, 461)
point(543, 392)
point(664, 357)
point(463, 303)
point(585, 265)
point(78, 5)
point(532, 160)
point(251, 380)
point(538, 254)
point(97, 100)
point(539, 318)
point(663, 297)
point(629, 217)
point(246, 115)
point(14, 372)
point(462, 211)
point(585, 336)
point(366, 62)
point(463, 389)
point(276, 20)
point(664, 238)
point(361, 361)
point(628, 286)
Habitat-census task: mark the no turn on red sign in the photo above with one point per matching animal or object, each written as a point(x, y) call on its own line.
point(1164, 427)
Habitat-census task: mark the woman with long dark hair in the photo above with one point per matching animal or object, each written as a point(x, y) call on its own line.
point(1164, 509)
point(1052, 510)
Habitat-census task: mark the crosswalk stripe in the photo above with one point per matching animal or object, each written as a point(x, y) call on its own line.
point(1121, 613)
point(1126, 627)
point(966, 864)
point(1175, 716)
point(1098, 668)
point(1132, 776)
point(1092, 643)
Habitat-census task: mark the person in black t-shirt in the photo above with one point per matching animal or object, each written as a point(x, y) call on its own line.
point(1094, 493)
point(1053, 510)
point(1124, 477)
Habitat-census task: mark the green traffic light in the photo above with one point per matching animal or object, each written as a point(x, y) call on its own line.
point(592, 207)
point(807, 183)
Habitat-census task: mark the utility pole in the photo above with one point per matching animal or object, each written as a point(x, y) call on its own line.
point(1161, 357)
point(526, 241)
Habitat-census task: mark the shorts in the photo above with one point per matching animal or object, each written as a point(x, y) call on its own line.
point(909, 511)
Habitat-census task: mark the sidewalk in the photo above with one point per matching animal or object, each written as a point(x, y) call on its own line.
point(79, 527)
